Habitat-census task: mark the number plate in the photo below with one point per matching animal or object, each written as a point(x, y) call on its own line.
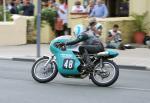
point(68, 63)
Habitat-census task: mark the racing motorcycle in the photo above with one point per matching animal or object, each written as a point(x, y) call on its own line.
point(69, 63)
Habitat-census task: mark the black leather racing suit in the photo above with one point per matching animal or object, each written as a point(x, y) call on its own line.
point(91, 45)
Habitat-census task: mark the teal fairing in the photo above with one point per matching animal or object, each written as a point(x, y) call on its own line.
point(70, 64)
point(66, 61)
point(108, 54)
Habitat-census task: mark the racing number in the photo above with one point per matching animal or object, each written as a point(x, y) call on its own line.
point(68, 63)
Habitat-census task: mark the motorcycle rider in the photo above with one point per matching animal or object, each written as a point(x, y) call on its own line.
point(91, 43)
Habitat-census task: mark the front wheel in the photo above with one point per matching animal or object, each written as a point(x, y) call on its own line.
point(106, 75)
point(44, 70)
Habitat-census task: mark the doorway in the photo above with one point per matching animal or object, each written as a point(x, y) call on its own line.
point(118, 8)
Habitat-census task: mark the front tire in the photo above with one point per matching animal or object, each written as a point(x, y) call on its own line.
point(108, 75)
point(45, 74)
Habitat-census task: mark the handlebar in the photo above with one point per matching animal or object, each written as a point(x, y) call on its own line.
point(61, 46)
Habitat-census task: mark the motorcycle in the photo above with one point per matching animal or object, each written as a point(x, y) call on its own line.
point(69, 63)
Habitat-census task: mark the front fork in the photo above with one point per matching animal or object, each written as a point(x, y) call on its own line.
point(49, 61)
point(101, 63)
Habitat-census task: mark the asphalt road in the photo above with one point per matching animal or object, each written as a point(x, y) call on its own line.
point(17, 86)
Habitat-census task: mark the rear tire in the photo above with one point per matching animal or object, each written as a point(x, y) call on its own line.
point(52, 67)
point(108, 82)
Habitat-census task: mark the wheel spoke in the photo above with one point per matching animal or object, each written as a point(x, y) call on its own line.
point(105, 74)
point(42, 72)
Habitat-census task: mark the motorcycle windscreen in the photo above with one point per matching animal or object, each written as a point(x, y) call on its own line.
point(67, 63)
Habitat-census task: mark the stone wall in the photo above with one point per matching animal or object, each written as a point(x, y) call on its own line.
point(14, 32)
point(22, 31)
point(31, 35)
point(46, 33)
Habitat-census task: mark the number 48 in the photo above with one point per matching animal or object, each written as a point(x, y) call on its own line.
point(68, 63)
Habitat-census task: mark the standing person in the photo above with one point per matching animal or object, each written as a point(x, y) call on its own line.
point(59, 28)
point(66, 3)
point(90, 6)
point(62, 12)
point(100, 10)
point(19, 6)
point(14, 9)
point(28, 8)
point(52, 4)
point(78, 8)
point(114, 39)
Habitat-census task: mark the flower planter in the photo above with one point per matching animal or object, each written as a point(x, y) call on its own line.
point(139, 37)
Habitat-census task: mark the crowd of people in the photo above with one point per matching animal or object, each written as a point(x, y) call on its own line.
point(94, 9)
point(98, 9)
point(24, 7)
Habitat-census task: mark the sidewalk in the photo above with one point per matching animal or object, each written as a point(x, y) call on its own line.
point(138, 58)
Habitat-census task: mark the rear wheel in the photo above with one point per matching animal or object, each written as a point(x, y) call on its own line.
point(105, 76)
point(42, 71)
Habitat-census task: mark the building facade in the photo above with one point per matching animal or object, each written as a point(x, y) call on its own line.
point(120, 12)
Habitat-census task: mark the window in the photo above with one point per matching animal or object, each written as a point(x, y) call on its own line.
point(118, 8)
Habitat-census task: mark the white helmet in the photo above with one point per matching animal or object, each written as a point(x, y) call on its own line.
point(78, 29)
point(99, 26)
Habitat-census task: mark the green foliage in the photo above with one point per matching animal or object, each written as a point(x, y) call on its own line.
point(140, 24)
point(8, 15)
point(49, 16)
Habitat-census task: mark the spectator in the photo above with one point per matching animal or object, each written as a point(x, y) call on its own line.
point(9, 6)
point(53, 4)
point(59, 26)
point(114, 39)
point(100, 10)
point(62, 12)
point(28, 8)
point(66, 3)
point(147, 39)
point(14, 9)
point(90, 6)
point(19, 5)
point(78, 8)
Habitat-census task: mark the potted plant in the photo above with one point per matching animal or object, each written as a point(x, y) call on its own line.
point(8, 15)
point(141, 27)
point(49, 16)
